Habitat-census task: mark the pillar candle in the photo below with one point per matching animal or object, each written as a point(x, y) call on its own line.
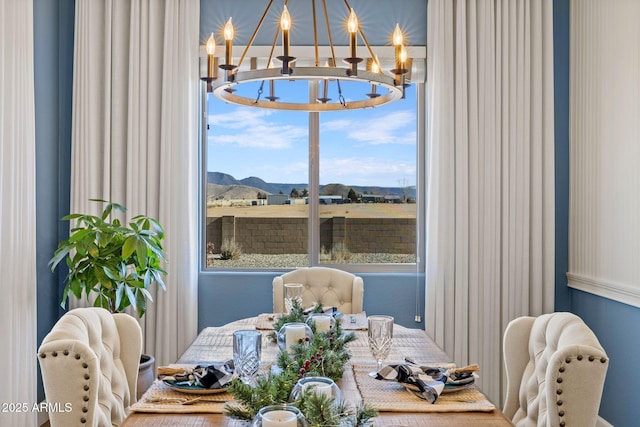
point(279, 419)
point(293, 334)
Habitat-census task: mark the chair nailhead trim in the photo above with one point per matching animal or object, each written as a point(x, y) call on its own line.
point(42, 355)
point(85, 409)
point(561, 413)
point(559, 391)
point(66, 352)
point(559, 403)
point(83, 420)
point(561, 369)
point(77, 356)
point(85, 398)
point(86, 388)
point(562, 424)
point(591, 358)
point(84, 365)
point(86, 376)
point(559, 380)
point(54, 354)
point(579, 357)
point(568, 360)
point(603, 360)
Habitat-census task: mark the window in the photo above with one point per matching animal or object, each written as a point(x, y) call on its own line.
point(291, 189)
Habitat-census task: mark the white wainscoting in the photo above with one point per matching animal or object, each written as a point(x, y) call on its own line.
point(604, 230)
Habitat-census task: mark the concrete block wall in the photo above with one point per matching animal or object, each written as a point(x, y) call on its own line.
point(289, 235)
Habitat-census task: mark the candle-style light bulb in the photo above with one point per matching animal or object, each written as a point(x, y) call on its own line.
point(397, 36)
point(285, 19)
point(210, 47)
point(229, 33)
point(398, 40)
point(375, 65)
point(352, 22)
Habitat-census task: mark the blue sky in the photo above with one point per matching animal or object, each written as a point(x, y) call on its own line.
point(372, 147)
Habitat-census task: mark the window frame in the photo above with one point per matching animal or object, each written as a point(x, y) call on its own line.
point(314, 185)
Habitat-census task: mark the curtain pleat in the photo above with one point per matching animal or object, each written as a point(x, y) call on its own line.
point(490, 194)
point(135, 139)
point(17, 212)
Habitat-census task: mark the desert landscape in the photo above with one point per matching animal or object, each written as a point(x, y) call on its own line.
point(243, 208)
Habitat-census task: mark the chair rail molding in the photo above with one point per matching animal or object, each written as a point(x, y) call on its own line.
point(620, 292)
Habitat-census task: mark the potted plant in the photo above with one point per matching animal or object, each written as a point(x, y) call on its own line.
point(113, 264)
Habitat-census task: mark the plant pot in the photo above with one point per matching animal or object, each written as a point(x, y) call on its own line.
point(146, 374)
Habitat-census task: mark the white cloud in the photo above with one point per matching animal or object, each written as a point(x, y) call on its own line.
point(393, 128)
point(365, 170)
point(246, 127)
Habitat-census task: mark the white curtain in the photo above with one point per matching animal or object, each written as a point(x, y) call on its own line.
point(490, 175)
point(135, 139)
point(17, 212)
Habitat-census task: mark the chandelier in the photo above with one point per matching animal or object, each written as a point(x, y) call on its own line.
point(379, 87)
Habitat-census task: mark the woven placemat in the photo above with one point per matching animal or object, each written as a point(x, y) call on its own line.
point(393, 397)
point(210, 403)
point(265, 321)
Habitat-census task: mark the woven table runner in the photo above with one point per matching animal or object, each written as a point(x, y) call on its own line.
point(151, 401)
point(350, 322)
point(393, 397)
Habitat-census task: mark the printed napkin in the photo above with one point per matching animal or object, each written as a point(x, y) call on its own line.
point(215, 375)
point(424, 381)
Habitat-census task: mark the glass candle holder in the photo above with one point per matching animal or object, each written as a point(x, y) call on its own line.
point(320, 386)
point(323, 322)
point(293, 333)
point(279, 416)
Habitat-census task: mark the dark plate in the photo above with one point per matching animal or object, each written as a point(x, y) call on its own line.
point(193, 389)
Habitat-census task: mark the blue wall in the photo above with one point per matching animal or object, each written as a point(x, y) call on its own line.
point(227, 296)
point(53, 60)
point(561, 47)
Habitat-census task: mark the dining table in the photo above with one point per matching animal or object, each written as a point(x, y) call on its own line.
point(396, 406)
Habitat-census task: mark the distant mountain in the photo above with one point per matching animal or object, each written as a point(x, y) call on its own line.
point(255, 184)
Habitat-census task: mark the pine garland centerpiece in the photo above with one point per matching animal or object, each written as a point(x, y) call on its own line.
point(325, 355)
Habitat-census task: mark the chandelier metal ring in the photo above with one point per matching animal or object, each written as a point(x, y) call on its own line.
point(224, 89)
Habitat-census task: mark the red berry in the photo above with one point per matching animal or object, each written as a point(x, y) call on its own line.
point(306, 339)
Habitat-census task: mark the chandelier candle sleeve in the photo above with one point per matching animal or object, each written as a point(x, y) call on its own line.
point(229, 33)
point(211, 50)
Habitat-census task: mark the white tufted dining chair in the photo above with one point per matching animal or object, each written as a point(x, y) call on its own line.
point(555, 369)
point(329, 286)
point(89, 363)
